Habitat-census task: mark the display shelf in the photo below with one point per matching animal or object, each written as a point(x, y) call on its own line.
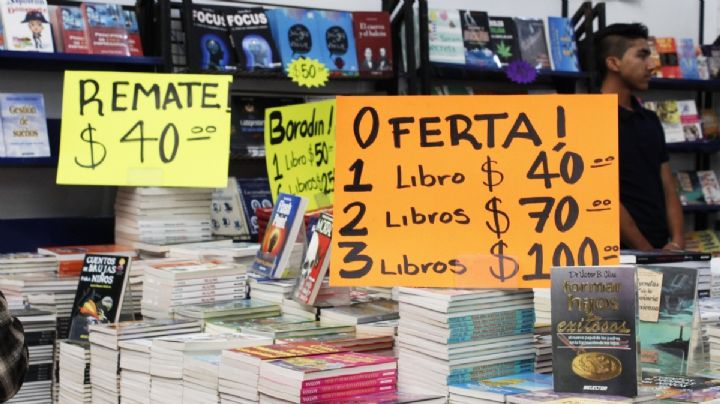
point(684, 84)
point(465, 72)
point(701, 208)
point(68, 61)
point(29, 234)
point(700, 146)
point(54, 138)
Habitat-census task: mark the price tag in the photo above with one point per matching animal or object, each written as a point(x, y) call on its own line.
point(144, 129)
point(308, 72)
point(300, 151)
point(478, 192)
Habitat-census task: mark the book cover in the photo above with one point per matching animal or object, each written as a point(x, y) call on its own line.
point(504, 39)
point(476, 38)
point(669, 66)
point(373, 43)
point(594, 315)
point(562, 44)
point(26, 25)
point(255, 194)
point(208, 39)
point(316, 261)
point(712, 53)
point(709, 120)
point(24, 126)
point(294, 349)
point(228, 218)
point(666, 338)
point(669, 113)
point(100, 293)
point(687, 59)
point(325, 362)
point(133, 33)
point(690, 120)
point(654, 56)
point(252, 39)
point(709, 185)
point(69, 30)
point(335, 30)
point(688, 187)
point(533, 45)
point(445, 36)
point(295, 32)
point(106, 29)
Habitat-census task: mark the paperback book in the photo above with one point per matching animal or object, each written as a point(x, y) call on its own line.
point(69, 30)
point(24, 126)
point(476, 37)
point(26, 25)
point(533, 46)
point(133, 33)
point(296, 33)
point(279, 239)
point(338, 52)
point(106, 29)
point(208, 40)
point(252, 39)
point(562, 44)
point(445, 38)
point(504, 39)
point(373, 43)
point(316, 261)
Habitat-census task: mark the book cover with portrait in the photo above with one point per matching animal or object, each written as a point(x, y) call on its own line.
point(373, 43)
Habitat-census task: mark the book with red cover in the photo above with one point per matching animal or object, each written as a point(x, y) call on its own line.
point(669, 67)
point(373, 43)
point(71, 257)
point(106, 29)
point(69, 30)
point(133, 33)
point(316, 261)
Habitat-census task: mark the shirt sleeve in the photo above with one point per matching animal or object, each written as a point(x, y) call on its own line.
point(13, 353)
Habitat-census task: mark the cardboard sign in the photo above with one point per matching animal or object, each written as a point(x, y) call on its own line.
point(473, 191)
point(300, 151)
point(144, 129)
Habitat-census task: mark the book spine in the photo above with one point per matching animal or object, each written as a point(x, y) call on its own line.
point(522, 313)
point(481, 373)
point(350, 378)
point(346, 393)
point(360, 384)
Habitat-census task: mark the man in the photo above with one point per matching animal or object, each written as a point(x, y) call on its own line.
point(13, 353)
point(650, 211)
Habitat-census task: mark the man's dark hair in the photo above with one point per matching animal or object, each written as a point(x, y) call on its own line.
point(615, 40)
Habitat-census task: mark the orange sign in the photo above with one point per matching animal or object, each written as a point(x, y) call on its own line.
point(473, 191)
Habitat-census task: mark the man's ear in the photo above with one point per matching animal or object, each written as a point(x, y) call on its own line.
point(612, 63)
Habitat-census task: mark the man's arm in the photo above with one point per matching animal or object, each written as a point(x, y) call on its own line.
point(13, 353)
point(673, 209)
point(630, 234)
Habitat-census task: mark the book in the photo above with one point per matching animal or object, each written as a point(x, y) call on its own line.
point(476, 38)
point(373, 43)
point(26, 25)
point(445, 38)
point(659, 256)
point(690, 120)
point(533, 45)
point(499, 388)
point(654, 56)
point(316, 261)
point(666, 334)
point(254, 194)
point(289, 330)
point(228, 218)
point(133, 33)
point(252, 40)
point(504, 39)
point(294, 371)
point(100, 293)
point(562, 44)
point(71, 257)
point(338, 53)
point(2, 34)
point(687, 60)
point(106, 29)
point(712, 53)
point(669, 113)
point(24, 126)
point(361, 313)
point(688, 187)
point(710, 123)
point(710, 187)
point(594, 330)
point(279, 240)
point(208, 40)
point(667, 50)
point(296, 34)
point(69, 30)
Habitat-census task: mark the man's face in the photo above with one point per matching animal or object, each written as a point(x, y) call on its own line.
point(35, 26)
point(636, 66)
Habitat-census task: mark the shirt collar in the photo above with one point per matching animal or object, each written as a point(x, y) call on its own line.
point(627, 114)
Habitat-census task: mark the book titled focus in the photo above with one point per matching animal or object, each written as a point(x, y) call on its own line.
point(594, 316)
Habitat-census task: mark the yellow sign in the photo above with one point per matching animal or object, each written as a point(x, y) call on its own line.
point(473, 191)
point(308, 72)
point(300, 151)
point(144, 129)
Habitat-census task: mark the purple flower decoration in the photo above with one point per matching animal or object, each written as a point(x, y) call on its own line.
point(521, 72)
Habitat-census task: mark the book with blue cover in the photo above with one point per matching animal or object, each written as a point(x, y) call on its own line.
point(687, 59)
point(498, 388)
point(279, 239)
point(252, 39)
point(208, 40)
point(254, 193)
point(338, 53)
point(562, 44)
point(295, 32)
point(24, 128)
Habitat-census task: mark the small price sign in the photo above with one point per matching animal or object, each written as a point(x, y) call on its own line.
point(144, 129)
point(308, 72)
point(482, 191)
point(300, 150)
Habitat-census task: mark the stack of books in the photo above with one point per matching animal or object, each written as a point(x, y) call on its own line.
point(278, 331)
point(230, 325)
point(232, 310)
point(543, 353)
point(327, 377)
point(135, 370)
point(14, 264)
point(167, 359)
point(271, 290)
point(332, 296)
point(499, 389)
point(160, 216)
point(40, 337)
point(291, 306)
point(240, 368)
point(225, 251)
point(105, 350)
point(201, 373)
point(451, 336)
point(361, 313)
point(171, 283)
point(74, 373)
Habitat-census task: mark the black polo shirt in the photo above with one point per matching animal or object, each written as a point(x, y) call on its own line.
point(642, 151)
